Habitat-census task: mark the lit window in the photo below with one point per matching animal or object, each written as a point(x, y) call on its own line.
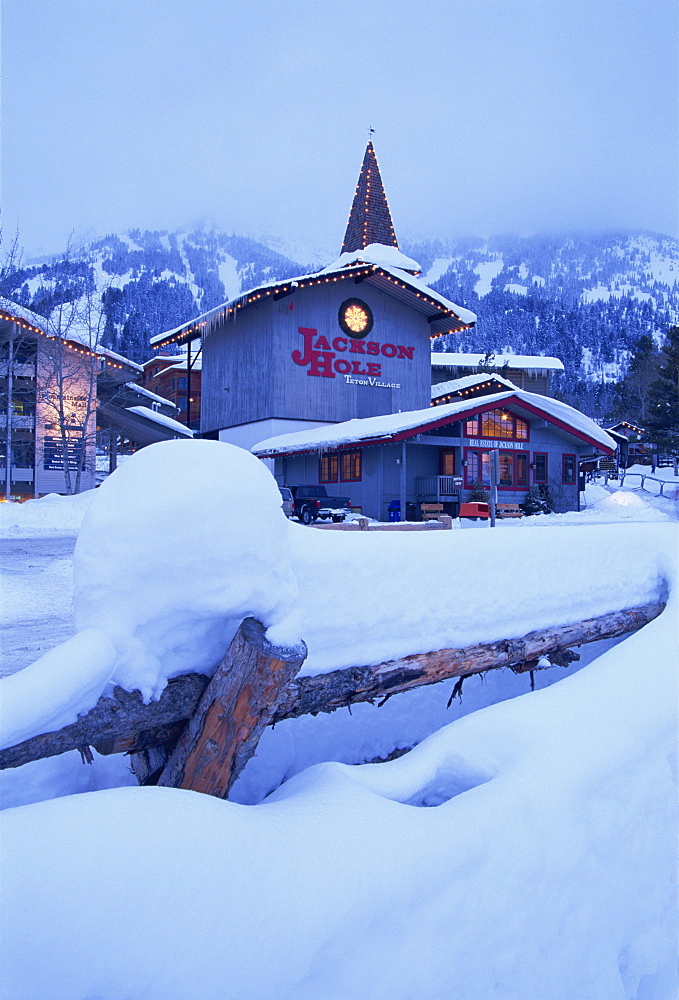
point(446, 462)
point(496, 424)
point(506, 469)
point(350, 466)
point(328, 468)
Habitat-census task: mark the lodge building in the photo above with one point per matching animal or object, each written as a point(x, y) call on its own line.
point(60, 397)
point(329, 378)
point(352, 340)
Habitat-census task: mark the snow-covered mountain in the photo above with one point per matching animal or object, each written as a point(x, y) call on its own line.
point(585, 299)
point(149, 282)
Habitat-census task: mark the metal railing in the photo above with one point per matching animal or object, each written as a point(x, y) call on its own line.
point(644, 476)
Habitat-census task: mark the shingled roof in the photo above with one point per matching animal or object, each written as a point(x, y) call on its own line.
point(370, 218)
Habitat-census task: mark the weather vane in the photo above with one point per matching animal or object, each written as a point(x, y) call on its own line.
point(371, 132)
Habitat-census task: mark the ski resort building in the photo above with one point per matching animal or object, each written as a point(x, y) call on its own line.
point(59, 396)
point(438, 454)
point(530, 372)
point(329, 377)
point(177, 377)
point(351, 340)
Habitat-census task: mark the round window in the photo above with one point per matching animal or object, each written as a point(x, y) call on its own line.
point(355, 318)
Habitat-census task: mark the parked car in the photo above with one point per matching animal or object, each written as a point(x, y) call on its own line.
point(288, 504)
point(313, 502)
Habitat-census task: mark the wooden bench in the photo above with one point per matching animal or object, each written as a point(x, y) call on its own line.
point(474, 510)
point(431, 511)
point(508, 510)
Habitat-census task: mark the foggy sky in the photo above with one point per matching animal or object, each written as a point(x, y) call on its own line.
point(489, 115)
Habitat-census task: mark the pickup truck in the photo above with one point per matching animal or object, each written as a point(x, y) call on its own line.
point(312, 502)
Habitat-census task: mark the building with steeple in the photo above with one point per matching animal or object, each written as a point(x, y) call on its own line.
point(328, 378)
point(352, 340)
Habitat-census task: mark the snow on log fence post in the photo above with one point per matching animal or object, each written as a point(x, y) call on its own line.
point(223, 732)
point(200, 733)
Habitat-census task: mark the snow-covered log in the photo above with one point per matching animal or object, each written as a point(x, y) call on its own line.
point(123, 724)
point(223, 732)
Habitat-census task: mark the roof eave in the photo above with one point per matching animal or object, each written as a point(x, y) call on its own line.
point(447, 321)
point(430, 425)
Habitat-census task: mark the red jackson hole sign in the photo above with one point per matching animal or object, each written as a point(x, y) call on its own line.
point(329, 359)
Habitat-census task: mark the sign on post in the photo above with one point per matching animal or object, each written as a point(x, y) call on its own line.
point(494, 480)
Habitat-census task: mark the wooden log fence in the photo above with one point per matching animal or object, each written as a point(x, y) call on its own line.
point(123, 724)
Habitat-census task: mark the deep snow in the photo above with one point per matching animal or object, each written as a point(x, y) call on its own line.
point(544, 868)
point(157, 595)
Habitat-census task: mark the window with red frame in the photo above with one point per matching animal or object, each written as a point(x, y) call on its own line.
point(497, 424)
point(513, 469)
point(522, 469)
point(328, 468)
point(568, 467)
point(477, 469)
point(350, 466)
point(540, 467)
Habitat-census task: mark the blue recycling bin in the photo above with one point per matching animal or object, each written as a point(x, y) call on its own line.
point(394, 509)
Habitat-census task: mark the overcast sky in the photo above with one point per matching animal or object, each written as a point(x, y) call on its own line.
point(489, 115)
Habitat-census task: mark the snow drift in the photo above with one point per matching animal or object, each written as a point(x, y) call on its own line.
point(187, 538)
point(546, 870)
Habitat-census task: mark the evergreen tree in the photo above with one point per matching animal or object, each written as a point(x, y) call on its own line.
point(536, 501)
point(487, 363)
point(479, 493)
point(662, 426)
point(633, 393)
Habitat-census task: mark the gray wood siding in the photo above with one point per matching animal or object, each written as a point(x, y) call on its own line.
point(249, 373)
point(380, 483)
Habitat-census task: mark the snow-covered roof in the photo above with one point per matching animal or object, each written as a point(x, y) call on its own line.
point(180, 366)
point(75, 331)
point(160, 418)
point(170, 358)
point(526, 362)
point(375, 253)
point(142, 391)
point(396, 426)
point(390, 279)
point(626, 423)
point(467, 382)
point(12, 310)
point(119, 357)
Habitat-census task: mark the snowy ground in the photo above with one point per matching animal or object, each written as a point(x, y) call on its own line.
point(544, 873)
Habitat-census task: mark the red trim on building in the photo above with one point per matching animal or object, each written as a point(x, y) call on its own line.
point(461, 416)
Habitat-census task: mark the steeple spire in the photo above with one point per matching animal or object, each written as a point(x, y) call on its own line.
point(370, 218)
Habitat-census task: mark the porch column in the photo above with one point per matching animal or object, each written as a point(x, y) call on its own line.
point(403, 480)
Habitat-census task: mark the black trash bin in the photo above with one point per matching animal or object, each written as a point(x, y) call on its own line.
point(413, 512)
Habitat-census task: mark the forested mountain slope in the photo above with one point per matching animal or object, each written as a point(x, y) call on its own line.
point(584, 299)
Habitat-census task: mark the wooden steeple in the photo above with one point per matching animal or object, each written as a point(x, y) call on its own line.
point(370, 218)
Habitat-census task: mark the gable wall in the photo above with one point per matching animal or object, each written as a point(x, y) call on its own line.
point(252, 359)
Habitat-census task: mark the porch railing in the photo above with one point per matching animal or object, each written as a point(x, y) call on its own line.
point(437, 488)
